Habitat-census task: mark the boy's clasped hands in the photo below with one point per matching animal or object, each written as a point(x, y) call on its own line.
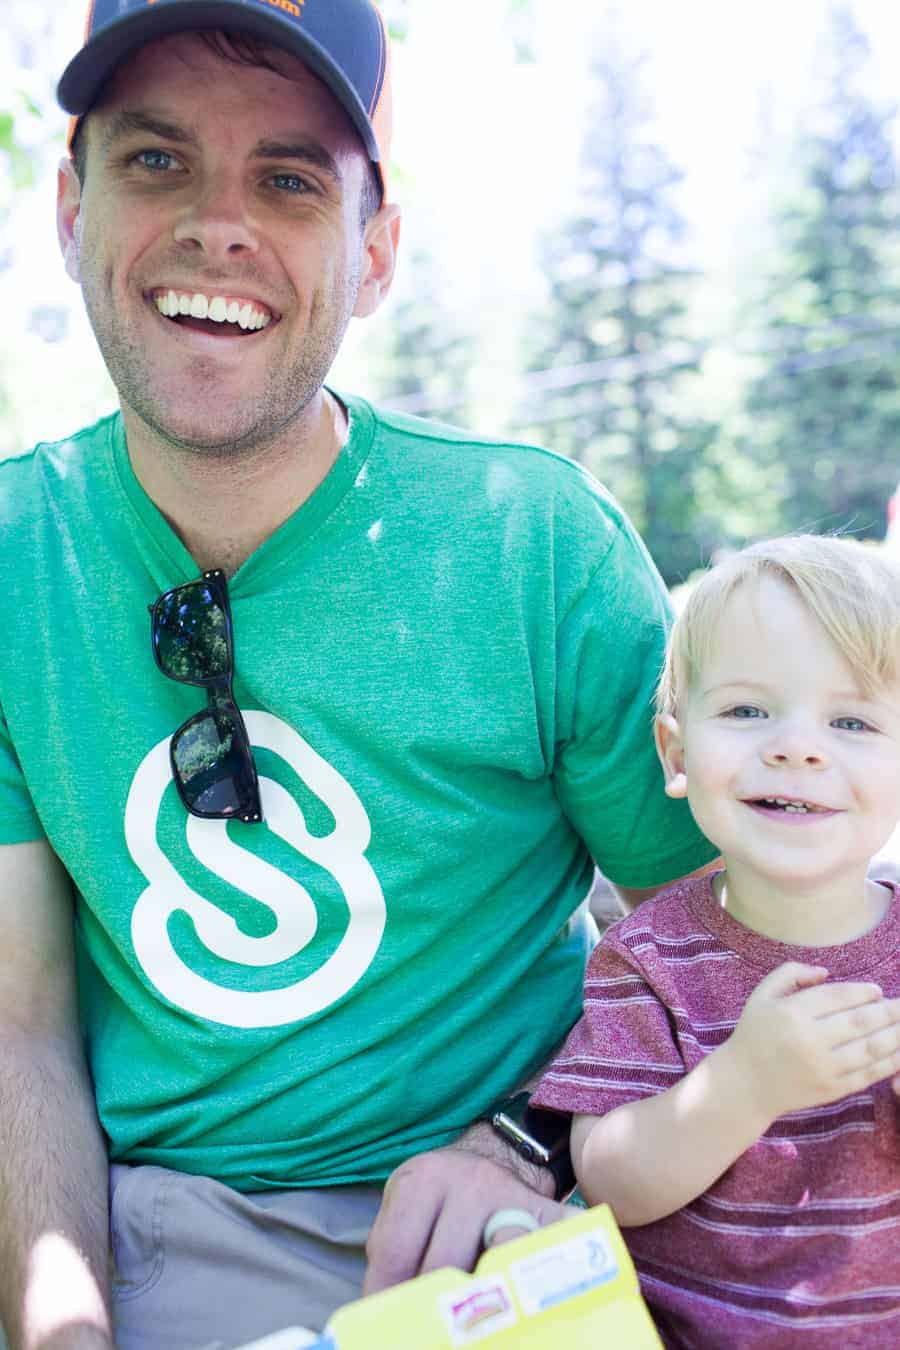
point(802, 1042)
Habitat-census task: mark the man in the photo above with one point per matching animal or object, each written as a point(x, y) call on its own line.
point(325, 923)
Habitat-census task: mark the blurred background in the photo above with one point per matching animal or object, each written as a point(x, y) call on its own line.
point(660, 239)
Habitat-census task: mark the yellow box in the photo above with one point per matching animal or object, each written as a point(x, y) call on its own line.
point(570, 1284)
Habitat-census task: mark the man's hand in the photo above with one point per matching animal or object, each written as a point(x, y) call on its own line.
point(435, 1207)
point(802, 1043)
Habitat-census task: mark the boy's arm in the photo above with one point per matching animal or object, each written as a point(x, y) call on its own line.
point(53, 1165)
point(653, 1156)
point(799, 1043)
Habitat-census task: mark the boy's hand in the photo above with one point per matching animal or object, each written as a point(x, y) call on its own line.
point(801, 1043)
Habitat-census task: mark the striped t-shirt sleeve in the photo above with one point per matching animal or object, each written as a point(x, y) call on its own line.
point(623, 1047)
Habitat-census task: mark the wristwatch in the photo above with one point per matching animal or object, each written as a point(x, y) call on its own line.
point(539, 1136)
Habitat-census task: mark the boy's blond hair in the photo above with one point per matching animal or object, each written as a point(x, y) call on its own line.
point(852, 590)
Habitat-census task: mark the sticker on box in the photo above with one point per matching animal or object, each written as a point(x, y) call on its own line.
point(478, 1309)
point(556, 1274)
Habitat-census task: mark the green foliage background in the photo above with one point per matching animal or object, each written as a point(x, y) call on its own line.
point(783, 415)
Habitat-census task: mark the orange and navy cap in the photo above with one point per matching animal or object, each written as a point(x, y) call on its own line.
point(343, 42)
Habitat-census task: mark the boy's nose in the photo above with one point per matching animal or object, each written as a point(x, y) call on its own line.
point(787, 752)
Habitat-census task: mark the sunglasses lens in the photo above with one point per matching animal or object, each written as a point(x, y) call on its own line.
point(190, 632)
point(214, 767)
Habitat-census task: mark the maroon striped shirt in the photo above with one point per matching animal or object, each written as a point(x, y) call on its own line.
point(798, 1243)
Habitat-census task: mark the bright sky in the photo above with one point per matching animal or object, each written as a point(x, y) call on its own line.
point(487, 148)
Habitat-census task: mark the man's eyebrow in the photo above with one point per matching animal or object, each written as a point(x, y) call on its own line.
point(301, 148)
point(129, 121)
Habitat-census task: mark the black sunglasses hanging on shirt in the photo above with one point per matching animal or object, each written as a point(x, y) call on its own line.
point(193, 642)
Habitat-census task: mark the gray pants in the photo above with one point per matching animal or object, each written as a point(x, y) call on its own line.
point(199, 1266)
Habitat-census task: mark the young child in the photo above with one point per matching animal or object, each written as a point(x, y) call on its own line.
point(732, 1072)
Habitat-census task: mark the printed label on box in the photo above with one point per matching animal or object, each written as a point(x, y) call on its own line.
point(559, 1273)
point(478, 1309)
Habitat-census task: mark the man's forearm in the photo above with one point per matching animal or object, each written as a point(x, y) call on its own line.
point(54, 1217)
point(482, 1139)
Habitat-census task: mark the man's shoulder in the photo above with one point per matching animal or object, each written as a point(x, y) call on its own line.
point(504, 468)
point(60, 461)
point(430, 432)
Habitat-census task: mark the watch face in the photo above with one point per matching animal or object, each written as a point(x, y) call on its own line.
point(529, 1147)
point(540, 1137)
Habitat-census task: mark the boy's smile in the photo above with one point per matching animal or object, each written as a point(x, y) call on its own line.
point(789, 765)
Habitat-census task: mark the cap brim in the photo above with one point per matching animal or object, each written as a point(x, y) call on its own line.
point(86, 73)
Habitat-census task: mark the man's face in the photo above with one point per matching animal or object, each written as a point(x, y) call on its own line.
point(228, 184)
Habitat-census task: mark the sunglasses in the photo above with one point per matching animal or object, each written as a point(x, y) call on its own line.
point(193, 642)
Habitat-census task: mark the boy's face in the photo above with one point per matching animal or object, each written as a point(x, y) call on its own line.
point(787, 765)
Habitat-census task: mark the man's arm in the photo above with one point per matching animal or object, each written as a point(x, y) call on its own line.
point(54, 1226)
point(631, 896)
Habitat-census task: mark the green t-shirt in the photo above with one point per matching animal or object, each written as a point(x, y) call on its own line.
point(445, 661)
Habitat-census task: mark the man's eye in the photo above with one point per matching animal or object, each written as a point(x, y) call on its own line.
point(851, 724)
point(159, 161)
point(744, 711)
point(289, 182)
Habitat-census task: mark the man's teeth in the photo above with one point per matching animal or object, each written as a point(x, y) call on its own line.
point(218, 309)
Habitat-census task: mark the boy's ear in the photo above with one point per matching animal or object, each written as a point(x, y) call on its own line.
point(670, 748)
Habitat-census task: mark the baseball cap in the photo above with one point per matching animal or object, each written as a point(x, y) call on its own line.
point(343, 42)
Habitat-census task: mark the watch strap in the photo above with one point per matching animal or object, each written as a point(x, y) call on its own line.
point(538, 1135)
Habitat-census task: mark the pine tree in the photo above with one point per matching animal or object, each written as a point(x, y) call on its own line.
point(824, 410)
point(422, 357)
point(614, 336)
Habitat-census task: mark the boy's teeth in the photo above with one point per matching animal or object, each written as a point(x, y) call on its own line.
point(786, 805)
point(218, 309)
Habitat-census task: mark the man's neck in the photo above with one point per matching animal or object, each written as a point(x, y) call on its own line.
point(223, 508)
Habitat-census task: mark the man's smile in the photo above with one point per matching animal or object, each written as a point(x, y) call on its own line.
point(212, 312)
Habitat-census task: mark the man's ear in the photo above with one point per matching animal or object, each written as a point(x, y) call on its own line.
point(670, 748)
point(380, 241)
point(68, 217)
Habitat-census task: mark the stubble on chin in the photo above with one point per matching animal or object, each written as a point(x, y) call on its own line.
point(192, 417)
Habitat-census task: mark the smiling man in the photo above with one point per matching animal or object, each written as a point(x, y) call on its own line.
point(326, 822)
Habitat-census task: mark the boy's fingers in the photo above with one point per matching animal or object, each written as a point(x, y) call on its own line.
point(873, 1072)
point(826, 1000)
point(790, 977)
point(864, 1052)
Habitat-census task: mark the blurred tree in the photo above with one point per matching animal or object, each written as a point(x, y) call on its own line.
point(421, 359)
point(614, 345)
point(823, 412)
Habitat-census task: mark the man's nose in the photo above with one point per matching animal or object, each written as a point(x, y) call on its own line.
point(218, 220)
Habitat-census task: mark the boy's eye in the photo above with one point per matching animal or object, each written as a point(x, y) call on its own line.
point(851, 724)
point(744, 711)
